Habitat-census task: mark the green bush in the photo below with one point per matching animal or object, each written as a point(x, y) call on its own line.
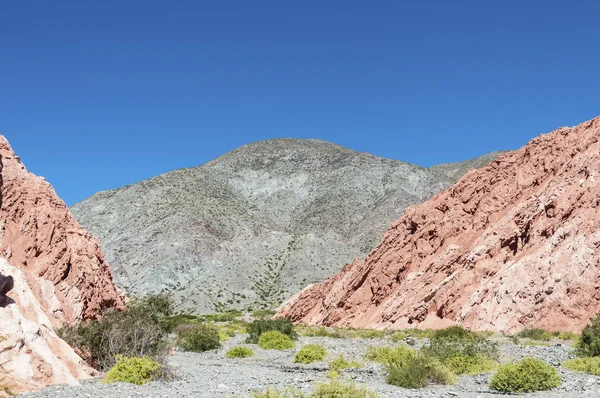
point(239, 352)
point(310, 353)
point(258, 327)
point(398, 336)
point(387, 355)
point(417, 371)
point(275, 340)
point(338, 389)
point(470, 345)
point(589, 365)
point(132, 370)
point(340, 363)
point(319, 331)
point(198, 338)
point(527, 375)
point(371, 334)
point(589, 341)
point(137, 332)
point(453, 333)
point(567, 336)
point(170, 323)
point(535, 334)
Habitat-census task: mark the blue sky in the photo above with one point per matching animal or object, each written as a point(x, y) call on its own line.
point(99, 94)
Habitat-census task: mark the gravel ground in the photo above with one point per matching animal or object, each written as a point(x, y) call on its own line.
point(210, 374)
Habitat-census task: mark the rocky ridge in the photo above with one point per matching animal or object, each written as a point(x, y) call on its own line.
point(255, 225)
point(512, 245)
point(51, 272)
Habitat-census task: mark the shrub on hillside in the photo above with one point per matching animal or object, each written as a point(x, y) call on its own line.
point(310, 353)
point(132, 370)
point(589, 341)
point(274, 340)
point(535, 334)
point(453, 333)
point(527, 375)
point(589, 365)
point(239, 352)
point(263, 313)
point(137, 332)
point(228, 316)
point(198, 338)
point(260, 326)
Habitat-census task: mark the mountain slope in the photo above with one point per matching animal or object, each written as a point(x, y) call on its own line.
point(512, 245)
point(254, 225)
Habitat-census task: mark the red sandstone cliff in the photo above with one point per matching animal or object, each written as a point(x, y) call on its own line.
point(515, 244)
point(59, 275)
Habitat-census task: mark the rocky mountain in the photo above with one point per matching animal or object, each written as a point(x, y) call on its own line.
point(51, 272)
point(255, 225)
point(513, 245)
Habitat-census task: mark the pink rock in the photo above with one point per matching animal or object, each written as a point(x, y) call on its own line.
point(510, 246)
point(59, 276)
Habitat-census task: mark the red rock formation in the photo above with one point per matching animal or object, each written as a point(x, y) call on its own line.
point(59, 276)
point(512, 245)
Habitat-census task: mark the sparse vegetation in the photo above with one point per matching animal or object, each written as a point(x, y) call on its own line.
point(332, 389)
point(228, 316)
point(527, 375)
point(132, 370)
point(589, 365)
point(310, 353)
point(275, 340)
point(258, 327)
point(198, 338)
point(387, 355)
point(239, 352)
point(263, 313)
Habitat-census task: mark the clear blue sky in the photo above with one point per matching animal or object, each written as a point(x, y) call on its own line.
point(99, 94)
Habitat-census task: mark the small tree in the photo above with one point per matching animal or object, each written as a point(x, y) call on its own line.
point(589, 343)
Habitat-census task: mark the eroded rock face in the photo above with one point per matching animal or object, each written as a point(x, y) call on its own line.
point(51, 272)
point(512, 245)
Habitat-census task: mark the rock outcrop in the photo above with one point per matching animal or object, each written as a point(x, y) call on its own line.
point(255, 225)
point(513, 245)
point(52, 272)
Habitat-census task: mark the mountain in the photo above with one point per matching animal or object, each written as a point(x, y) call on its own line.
point(255, 225)
point(52, 272)
point(512, 245)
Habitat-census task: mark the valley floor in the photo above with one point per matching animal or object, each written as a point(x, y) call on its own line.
point(211, 374)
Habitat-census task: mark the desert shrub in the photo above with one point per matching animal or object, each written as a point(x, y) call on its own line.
point(223, 336)
point(198, 338)
point(462, 351)
point(170, 323)
point(228, 316)
point(527, 375)
point(132, 370)
point(239, 352)
point(310, 353)
point(567, 336)
point(464, 364)
point(274, 340)
point(338, 389)
point(589, 365)
point(398, 336)
point(370, 334)
point(535, 334)
point(263, 313)
point(453, 333)
point(274, 393)
point(340, 363)
point(417, 371)
point(589, 341)
point(318, 331)
point(387, 355)
point(258, 327)
point(137, 332)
